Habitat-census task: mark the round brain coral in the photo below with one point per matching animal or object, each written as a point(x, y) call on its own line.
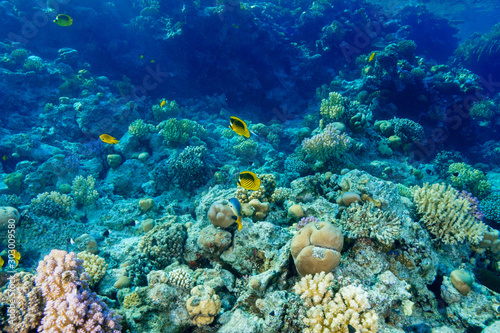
point(220, 215)
point(316, 248)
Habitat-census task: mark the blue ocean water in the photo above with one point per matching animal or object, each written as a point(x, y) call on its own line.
point(230, 166)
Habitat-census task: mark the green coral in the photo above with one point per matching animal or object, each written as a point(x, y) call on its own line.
point(491, 206)
point(53, 204)
point(484, 109)
point(180, 131)
point(14, 181)
point(139, 128)
point(19, 55)
point(404, 191)
point(34, 63)
point(83, 190)
point(169, 110)
point(465, 177)
point(246, 148)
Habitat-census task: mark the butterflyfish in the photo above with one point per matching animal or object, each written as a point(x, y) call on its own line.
point(372, 56)
point(4, 157)
point(63, 20)
point(236, 208)
point(108, 139)
point(1, 262)
point(17, 257)
point(249, 181)
point(163, 103)
point(239, 126)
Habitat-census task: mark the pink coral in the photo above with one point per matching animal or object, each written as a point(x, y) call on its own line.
point(70, 305)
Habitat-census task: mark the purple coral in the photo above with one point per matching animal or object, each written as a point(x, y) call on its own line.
point(306, 220)
point(474, 205)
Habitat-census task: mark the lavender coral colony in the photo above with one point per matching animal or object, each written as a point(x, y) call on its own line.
point(222, 166)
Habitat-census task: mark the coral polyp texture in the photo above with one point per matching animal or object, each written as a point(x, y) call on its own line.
point(447, 215)
point(329, 144)
point(70, 306)
point(329, 313)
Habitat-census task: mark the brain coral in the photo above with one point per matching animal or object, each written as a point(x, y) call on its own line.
point(447, 215)
point(316, 248)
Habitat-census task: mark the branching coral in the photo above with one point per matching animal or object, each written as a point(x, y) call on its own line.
point(369, 221)
point(25, 303)
point(53, 204)
point(93, 265)
point(140, 129)
point(69, 304)
point(464, 177)
point(83, 190)
point(180, 131)
point(328, 145)
point(189, 169)
point(332, 108)
point(447, 215)
point(327, 314)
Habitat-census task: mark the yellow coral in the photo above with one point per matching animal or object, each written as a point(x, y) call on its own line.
point(350, 306)
point(132, 300)
point(94, 265)
point(447, 215)
point(332, 108)
point(315, 290)
point(203, 305)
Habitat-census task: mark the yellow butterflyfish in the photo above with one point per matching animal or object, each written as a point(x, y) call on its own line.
point(17, 257)
point(163, 103)
point(108, 139)
point(249, 181)
point(1, 262)
point(63, 20)
point(372, 56)
point(239, 126)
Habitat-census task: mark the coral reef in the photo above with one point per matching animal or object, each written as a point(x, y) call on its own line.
point(69, 304)
point(93, 265)
point(53, 204)
point(447, 215)
point(83, 190)
point(329, 145)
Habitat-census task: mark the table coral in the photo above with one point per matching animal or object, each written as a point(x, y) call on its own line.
point(447, 215)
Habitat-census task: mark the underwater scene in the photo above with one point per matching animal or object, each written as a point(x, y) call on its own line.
point(284, 166)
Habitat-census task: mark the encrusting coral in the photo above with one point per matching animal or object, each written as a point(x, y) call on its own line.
point(447, 215)
point(203, 305)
